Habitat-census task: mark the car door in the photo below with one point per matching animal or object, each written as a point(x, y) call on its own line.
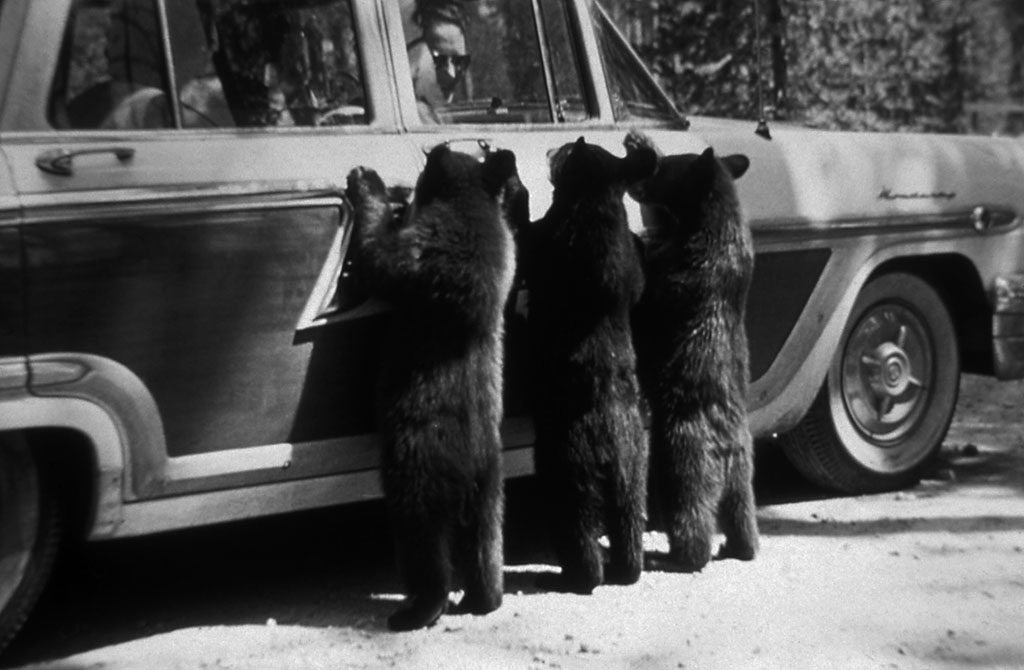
point(180, 168)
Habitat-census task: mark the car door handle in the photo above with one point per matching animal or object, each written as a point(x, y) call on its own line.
point(60, 161)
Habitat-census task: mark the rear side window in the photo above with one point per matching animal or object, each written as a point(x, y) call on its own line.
point(237, 63)
point(272, 63)
point(112, 70)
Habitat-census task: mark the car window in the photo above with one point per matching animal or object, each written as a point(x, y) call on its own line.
point(475, 62)
point(564, 52)
point(270, 63)
point(634, 94)
point(111, 71)
point(236, 63)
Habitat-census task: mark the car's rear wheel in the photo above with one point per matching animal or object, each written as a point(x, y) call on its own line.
point(30, 531)
point(887, 401)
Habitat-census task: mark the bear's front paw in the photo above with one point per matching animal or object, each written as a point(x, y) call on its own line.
point(636, 141)
point(420, 612)
point(364, 184)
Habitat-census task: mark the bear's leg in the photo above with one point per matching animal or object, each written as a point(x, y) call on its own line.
point(575, 522)
point(737, 512)
point(626, 520)
point(689, 499)
point(480, 549)
point(424, 559)
point(690, 534)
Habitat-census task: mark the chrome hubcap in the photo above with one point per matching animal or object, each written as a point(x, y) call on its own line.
point(886, 372)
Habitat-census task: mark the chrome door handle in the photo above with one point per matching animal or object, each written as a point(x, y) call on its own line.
point(59, 161)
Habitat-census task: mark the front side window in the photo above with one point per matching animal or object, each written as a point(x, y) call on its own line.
point(480, 62)
point(111, 73)
point(634, 94)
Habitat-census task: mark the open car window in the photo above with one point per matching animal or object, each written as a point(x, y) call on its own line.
point(484, 62)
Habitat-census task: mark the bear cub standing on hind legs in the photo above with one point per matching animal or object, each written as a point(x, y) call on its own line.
point(584, 275)
point(693, 357)
point(446, 266)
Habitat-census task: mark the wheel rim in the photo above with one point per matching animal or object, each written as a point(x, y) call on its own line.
point(884, 387)
point(19, 519)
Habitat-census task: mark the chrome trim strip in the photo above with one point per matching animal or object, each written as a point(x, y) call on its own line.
point(10, 210)
point(265, 464)
point(133, 204)
point(142, 518)
point(1003, 220)
point(13, 374)
point(318, 304)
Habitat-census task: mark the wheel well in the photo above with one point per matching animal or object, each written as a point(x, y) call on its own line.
point(959, 285)
point(69, 466)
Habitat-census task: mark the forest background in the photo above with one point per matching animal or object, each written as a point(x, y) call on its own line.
point(891, 65)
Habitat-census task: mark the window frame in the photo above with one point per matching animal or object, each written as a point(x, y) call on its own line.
point(600, 14)
point(596, 114)
point(32, 33)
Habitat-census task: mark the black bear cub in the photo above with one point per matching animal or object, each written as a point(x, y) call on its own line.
point(692, 350)
point(584, 276)
point(446, 265)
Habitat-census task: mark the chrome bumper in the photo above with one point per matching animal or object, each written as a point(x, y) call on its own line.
point(1008, 327)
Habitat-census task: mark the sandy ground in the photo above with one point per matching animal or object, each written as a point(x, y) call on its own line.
point(931, 577)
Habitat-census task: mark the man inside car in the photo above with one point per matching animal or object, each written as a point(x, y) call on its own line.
point(437, 57)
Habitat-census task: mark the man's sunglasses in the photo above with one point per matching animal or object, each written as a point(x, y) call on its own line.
point(459, 62)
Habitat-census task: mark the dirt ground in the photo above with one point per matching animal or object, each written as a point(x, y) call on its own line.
point(931, 577)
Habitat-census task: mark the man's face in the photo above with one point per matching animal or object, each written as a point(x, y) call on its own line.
point(447, 46)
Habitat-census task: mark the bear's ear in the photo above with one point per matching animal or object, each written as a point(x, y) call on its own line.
point(640, 163)
point(579, 147)
point(736, 164)
point(499, 167)
point(436, 174)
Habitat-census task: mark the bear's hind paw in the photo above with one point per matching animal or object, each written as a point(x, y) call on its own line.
point(671, 563)
point(559, 583)
point(622, 575)
point(741, 551)
point(419, 613)
point(477, 604)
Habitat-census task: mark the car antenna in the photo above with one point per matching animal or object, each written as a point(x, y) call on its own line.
point(762, 122)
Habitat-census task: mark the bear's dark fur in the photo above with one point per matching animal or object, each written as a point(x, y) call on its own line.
point(584, 276)
point(692, 350)
point(446, 265)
